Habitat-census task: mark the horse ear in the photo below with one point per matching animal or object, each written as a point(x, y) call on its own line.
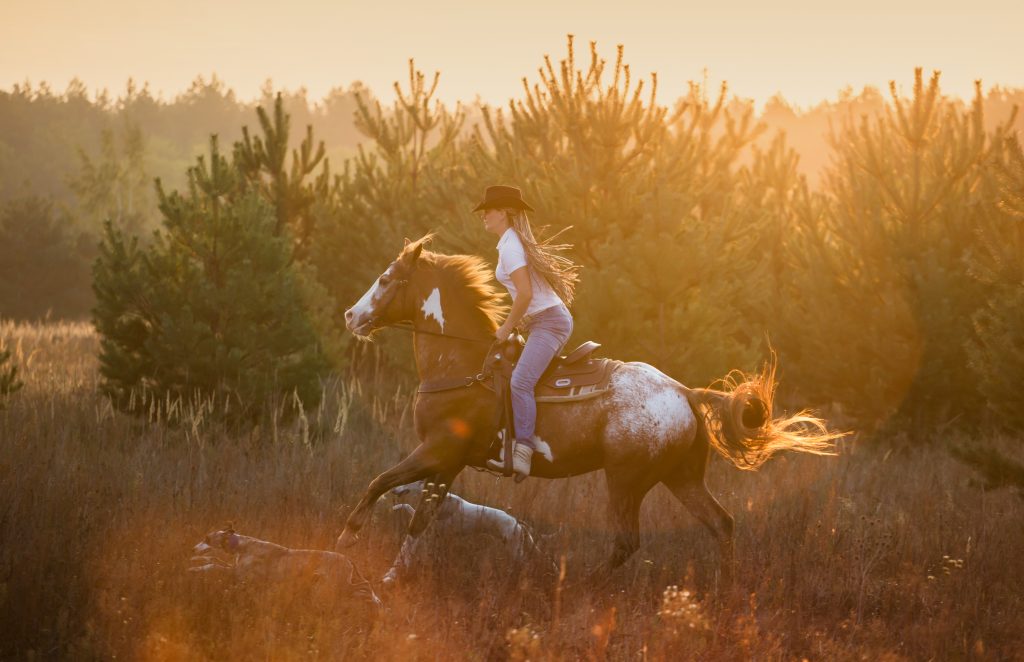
point(415, 254)
point(407, 242)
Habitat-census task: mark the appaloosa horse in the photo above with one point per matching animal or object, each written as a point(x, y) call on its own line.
point(644, 431)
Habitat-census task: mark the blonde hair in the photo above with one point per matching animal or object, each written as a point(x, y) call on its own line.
point(561, 273)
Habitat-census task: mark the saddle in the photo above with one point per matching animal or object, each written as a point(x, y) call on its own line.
point(571, 378)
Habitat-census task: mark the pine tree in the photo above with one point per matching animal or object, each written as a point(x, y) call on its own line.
point(907, 202)
point(845, 335)
point(997, 348)
point(123, 315)
point(262, 161)
point(211, 308)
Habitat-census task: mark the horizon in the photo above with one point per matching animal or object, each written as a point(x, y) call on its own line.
point(794, 50)
point(94, 94)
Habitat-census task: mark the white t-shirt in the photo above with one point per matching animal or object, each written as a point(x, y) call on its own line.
point(512, 256)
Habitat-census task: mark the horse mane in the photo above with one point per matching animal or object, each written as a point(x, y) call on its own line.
point(469, 274)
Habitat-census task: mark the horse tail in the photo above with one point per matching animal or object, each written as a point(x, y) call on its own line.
point(739, 423)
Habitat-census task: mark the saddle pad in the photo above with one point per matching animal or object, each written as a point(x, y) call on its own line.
point(578, 381)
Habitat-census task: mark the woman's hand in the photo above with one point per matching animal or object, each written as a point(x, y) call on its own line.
point(503, 333)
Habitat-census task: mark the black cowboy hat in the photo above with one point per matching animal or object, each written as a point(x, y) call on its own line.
point(503, 197)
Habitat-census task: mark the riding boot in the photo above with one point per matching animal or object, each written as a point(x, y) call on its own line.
point(522, 458)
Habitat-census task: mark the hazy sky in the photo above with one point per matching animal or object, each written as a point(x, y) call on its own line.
point(806, 49)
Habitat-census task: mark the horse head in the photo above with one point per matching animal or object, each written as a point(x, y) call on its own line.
point(388, 300)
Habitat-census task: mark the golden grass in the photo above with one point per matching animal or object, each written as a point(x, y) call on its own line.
point(872, 554)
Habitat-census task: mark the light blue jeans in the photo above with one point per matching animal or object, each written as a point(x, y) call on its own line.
point(547, 332)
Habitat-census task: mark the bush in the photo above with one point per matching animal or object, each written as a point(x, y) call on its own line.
point(211, 311)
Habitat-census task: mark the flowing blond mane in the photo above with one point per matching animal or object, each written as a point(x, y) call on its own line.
point(468, 274)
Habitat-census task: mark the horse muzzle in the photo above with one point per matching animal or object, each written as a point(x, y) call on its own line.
point(360, 326)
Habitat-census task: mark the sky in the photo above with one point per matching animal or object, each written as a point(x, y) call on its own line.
point(805, 50)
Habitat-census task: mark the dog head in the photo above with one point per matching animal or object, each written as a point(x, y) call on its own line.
point(224, 540)
point(410, 491)
point(217, 550)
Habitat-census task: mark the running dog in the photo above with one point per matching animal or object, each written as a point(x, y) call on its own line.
point(258, 560)
point(458, 517)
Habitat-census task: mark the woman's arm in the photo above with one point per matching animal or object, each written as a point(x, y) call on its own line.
point(524, 294)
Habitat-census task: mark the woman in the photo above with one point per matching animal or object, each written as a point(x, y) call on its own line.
point(542, 285)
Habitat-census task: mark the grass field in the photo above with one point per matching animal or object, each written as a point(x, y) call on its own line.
point(885, 551)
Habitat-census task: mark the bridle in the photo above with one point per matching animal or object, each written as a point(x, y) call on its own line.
point(411, 326)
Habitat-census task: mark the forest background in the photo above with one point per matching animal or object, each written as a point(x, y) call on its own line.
point(870, 241)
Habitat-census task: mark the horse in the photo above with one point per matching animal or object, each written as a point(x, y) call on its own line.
point(647, 429)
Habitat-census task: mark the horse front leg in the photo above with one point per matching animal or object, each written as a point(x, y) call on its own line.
point(435, 490)
point(424, 461)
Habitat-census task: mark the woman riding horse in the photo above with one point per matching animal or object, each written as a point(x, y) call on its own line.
point(542, 285)
point(645, 429)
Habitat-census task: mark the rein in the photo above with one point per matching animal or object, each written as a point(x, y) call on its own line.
point(412, 329)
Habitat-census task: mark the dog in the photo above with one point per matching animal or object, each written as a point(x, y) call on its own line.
point(332, 574)
point(458, 517)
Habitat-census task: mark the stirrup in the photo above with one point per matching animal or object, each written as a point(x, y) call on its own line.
point(503, 463)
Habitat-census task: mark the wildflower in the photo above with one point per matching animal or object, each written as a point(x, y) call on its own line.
point(681, 610)
point(523, 643)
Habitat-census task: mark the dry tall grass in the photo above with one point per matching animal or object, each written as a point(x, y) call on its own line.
point(872, 554)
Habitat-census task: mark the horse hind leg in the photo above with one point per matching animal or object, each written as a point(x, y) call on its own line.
point(625, 496)
point(694, 494)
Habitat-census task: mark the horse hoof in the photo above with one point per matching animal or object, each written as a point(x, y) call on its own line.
point(346, 540)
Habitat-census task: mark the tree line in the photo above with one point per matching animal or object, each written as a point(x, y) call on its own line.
point(891, 288)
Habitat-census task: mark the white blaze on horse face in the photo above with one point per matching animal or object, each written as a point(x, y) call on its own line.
point(364, 309)
point(432, 308)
